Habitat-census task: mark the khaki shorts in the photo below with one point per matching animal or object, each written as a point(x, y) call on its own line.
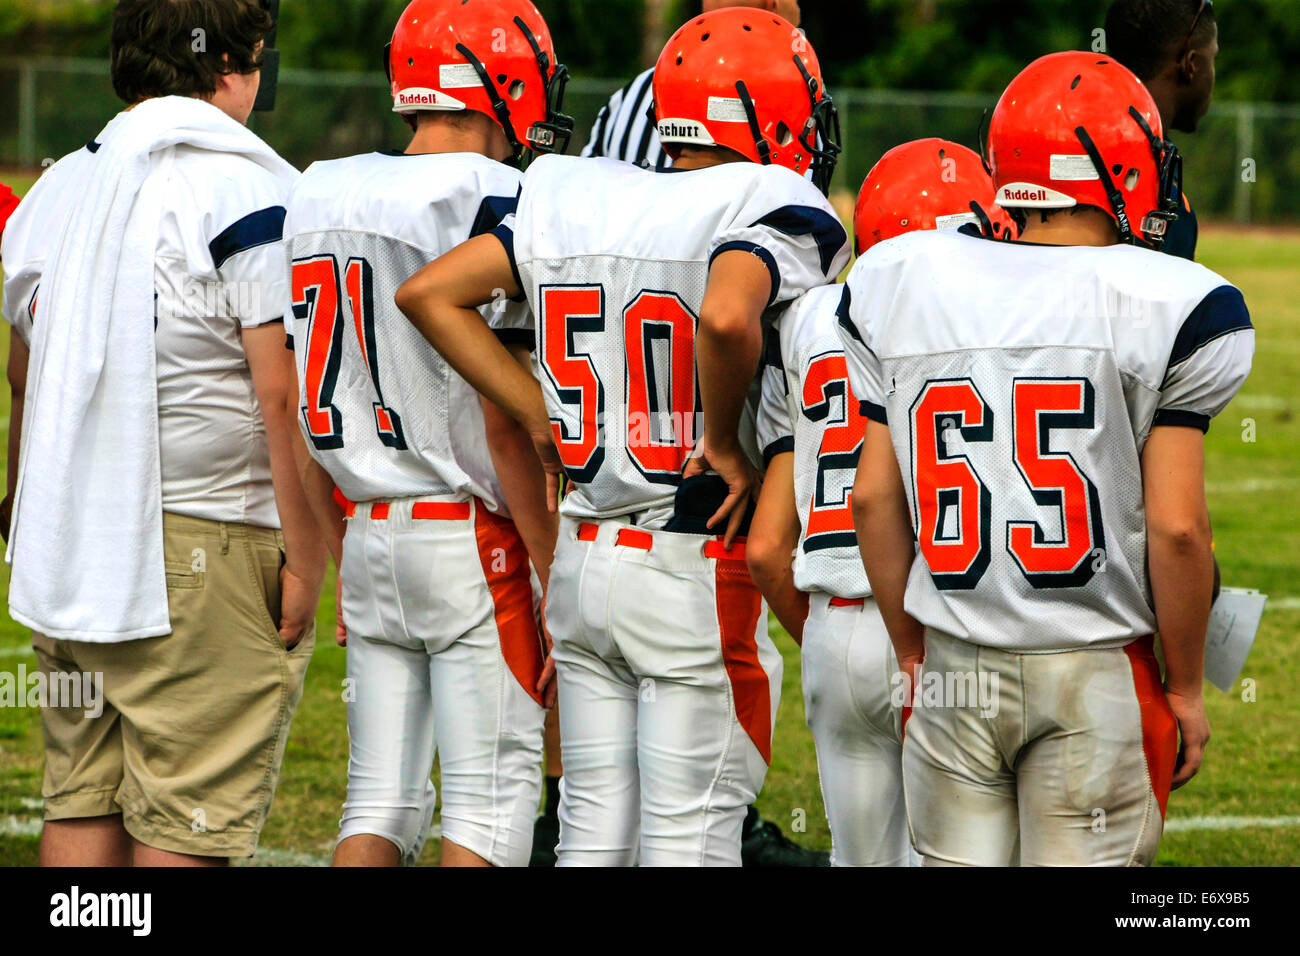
point(194, 725)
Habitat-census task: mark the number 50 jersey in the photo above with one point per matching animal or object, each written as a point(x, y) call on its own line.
point(1019, 383)
point(382, 411)
point(614, 260)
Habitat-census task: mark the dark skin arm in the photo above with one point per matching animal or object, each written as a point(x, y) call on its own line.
point(773, 537)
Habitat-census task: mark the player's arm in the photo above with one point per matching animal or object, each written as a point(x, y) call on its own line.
point(442, 302)
point(884, 529)
point(18, 356)
point(306, 554)
point(727, 348)
point(773, 537)
point(1181, 567)
point(523, 482)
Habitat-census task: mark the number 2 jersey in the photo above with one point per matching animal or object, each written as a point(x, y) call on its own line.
point(808, 408)
point(1020, 383)
point(614, 260)
point(382, 411)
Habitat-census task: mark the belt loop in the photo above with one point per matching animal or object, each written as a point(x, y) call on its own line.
point(225, 538)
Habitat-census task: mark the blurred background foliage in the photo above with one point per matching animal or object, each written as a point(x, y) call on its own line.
point(971, 45)
point(957, 55)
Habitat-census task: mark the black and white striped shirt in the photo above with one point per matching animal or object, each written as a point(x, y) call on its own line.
point(624, 129)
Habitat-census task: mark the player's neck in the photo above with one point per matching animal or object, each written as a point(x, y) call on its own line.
point(1163, 88)
point(702, 158)
point(447, 138)
point(1088, 227)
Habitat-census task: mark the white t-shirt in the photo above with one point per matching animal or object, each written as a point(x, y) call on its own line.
point(1020, 383)
point(219, 269)
point(382, 411)
point(614, 260)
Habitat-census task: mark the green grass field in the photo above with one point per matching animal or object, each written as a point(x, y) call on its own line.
point(1253, 766)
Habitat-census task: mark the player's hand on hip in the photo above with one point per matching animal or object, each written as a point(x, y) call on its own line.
point(742, 478)
point(546, 683)
point(1193, 732)
point(298, 600)
point(544, 444)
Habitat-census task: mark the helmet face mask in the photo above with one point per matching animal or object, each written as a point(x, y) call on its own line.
point(823, 126)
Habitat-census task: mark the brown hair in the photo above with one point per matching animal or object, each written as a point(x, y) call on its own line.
point(180, 47)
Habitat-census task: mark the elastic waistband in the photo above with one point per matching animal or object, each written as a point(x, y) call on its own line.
point(624, 536)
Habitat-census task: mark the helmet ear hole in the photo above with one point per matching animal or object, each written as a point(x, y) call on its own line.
point(1131, 180)
point(516, 89)
point(783, 135)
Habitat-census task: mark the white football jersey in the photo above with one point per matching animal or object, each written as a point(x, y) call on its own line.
point(381, 410)
point(1020, 383)
point(808, 408)
point(614, 260)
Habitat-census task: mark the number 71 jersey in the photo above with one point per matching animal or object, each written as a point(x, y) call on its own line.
point(614, 260)
point(381, 410)
point(1019, 383)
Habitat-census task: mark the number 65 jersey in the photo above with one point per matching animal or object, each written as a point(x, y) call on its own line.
point(381, 410)
point(614, 260)
point(1019, 383)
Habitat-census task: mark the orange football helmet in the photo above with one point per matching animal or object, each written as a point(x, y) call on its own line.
point(748, 80)
point(492, 56)
point(926, 184)
point(1079, 128)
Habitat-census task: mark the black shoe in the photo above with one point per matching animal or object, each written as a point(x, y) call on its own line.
point(546, 834)
point(763, 844)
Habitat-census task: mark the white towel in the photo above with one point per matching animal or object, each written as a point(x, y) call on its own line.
point(86, 543)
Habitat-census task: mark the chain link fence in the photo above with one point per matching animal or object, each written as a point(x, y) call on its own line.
point(1242, 165)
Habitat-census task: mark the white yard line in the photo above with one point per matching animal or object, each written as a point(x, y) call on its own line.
point(1183, 824)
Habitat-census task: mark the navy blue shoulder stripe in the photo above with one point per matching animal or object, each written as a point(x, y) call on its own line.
point(255, 229)
point(779, 447)
point(490, 213)
point(810, 221)
point(1220, 313)
point(506, 236)
point(842, 316)
point(767, 258)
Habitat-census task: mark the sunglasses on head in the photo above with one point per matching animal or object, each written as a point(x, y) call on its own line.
point(1196, 22)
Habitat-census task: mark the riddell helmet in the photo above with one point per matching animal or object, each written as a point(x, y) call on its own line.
point(492, 56)
point(748, 80)
point(926, 184)
point(1079, 128)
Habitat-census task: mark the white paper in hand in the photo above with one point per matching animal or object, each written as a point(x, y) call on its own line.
point(1234, 621)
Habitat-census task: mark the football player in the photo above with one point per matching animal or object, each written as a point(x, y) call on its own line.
point(810, 428)
point(649, 290)
point(1036, 412)
point(445, 502)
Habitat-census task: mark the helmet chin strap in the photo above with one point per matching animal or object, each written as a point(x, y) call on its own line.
point(499, 105)
point(825, 121)
point(986, 224)
point(553, 133)
point(1113, 194)
point(751, 114)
